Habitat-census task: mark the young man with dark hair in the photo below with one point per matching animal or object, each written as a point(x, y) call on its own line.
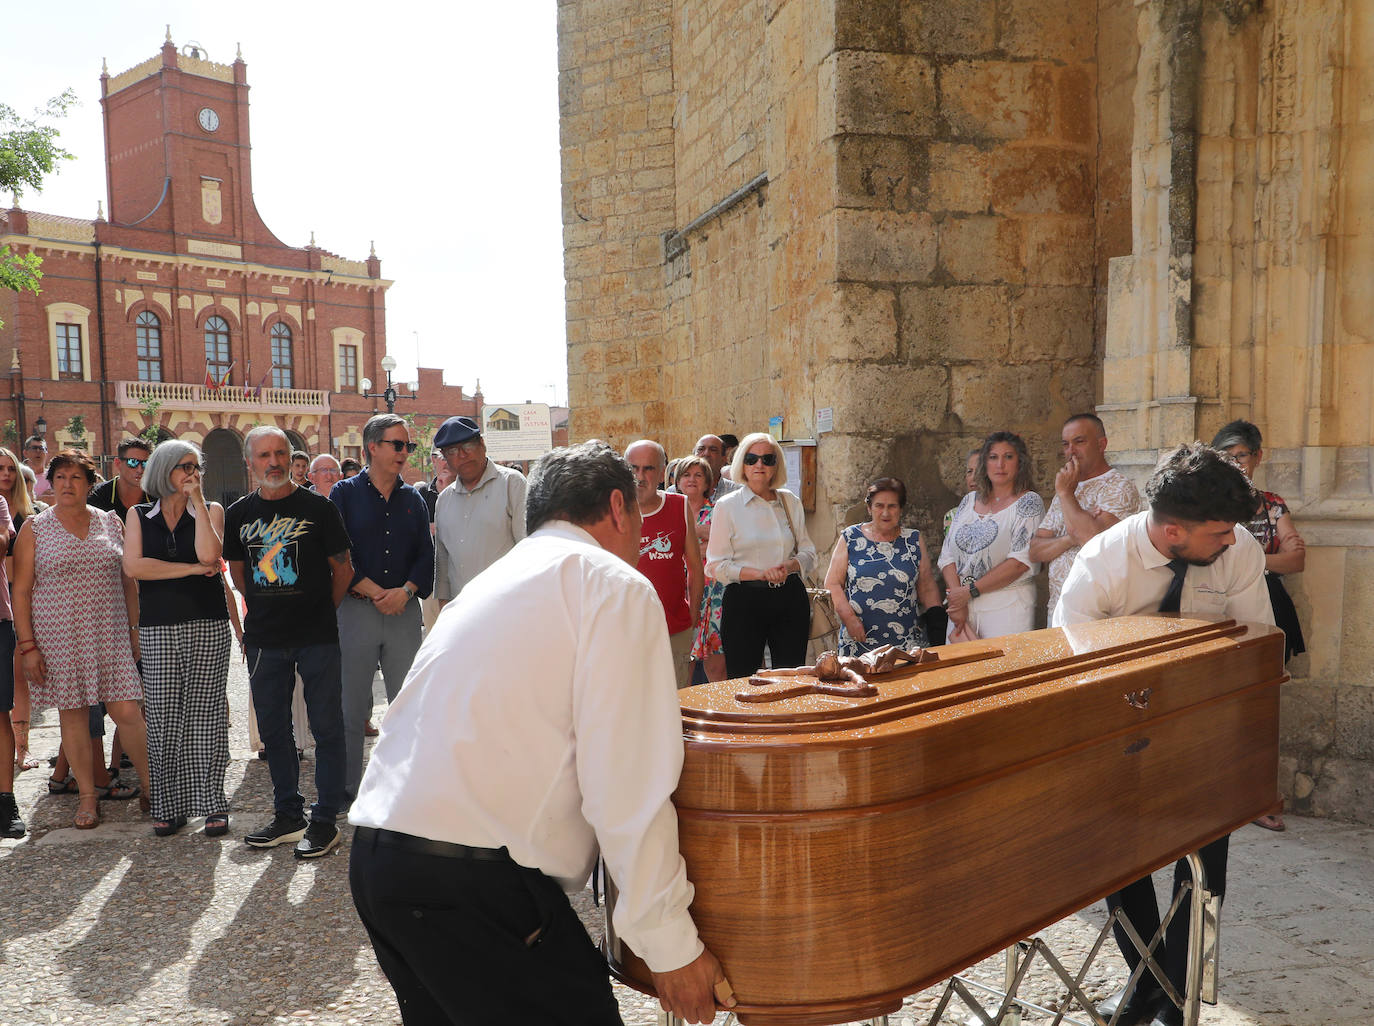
point(125, 489)
point(1182, 554)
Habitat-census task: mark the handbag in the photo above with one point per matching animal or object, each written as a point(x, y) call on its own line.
point(824, 620)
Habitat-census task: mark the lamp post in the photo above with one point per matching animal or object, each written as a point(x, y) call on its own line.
point(390, 395)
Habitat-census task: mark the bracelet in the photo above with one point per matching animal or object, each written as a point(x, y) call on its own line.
point(33, 647)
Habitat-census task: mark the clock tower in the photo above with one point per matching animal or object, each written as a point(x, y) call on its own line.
point(177, 150)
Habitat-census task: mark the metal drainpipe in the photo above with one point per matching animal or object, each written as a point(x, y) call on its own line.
point(100, 330)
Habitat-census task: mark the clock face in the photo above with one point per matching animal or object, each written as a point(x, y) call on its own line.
point(208, 119)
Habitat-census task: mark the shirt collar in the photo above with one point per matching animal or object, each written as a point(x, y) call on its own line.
point(750, 495)
point(489, 473)
point(1149, 556)
point(157, 508)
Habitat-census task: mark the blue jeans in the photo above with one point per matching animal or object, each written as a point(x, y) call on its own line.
point(272, 677)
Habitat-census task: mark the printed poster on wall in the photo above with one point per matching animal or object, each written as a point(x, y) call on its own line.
point(523, 431)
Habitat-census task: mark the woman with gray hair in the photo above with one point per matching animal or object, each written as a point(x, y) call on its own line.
point(172, 548)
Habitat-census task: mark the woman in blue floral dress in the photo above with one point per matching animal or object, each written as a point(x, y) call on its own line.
point(879, 578)
point(695, 481)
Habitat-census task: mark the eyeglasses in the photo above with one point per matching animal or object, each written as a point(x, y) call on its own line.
point(189, 468)
point(37, 448)
point(461, 448)
point(768, 459)
point(399, 445)
point(135, 463)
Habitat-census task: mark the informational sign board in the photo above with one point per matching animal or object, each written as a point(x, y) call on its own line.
point(775, 428)
point(523, 431)
point(825, 419)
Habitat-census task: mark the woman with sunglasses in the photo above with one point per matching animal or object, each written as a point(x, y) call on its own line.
point(172, 547)
point(760, 550)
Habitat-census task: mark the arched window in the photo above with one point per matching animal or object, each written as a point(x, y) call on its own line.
point(281, 356)
point(149, 331)
point(217, 348)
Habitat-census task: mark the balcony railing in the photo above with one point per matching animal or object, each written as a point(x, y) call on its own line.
point(228, 399)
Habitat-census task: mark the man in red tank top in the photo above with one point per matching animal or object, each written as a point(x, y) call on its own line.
point(669, 555)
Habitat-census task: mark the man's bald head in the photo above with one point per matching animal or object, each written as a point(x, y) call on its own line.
point(712, 450)
point(648, 461)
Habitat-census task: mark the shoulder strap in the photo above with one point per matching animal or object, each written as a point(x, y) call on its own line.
point(790, 526)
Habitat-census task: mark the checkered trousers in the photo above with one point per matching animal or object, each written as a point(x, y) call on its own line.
point(185, 670)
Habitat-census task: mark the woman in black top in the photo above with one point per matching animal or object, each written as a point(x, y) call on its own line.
point(172, 547)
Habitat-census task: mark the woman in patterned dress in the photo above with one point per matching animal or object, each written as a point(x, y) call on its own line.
point(1284, 550)
point(985, 560)
point(695, 481)
point(73, 611)
point(15, 492)
point(172, 547)
point(879, 577)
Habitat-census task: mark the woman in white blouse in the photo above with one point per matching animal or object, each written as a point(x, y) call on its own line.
point(986, 560)
point(759, 549)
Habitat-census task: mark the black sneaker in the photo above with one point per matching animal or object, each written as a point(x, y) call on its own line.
point(282, 830)
point(320, 839)
point(10, 823)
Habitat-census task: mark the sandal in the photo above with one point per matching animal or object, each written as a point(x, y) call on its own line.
point(167, 827)
point(67, 786)
point(114, 791)
point(23, 758)
point(87, 819)
point(1271, 823)
point(217, 825)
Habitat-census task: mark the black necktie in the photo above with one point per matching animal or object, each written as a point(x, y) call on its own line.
point(1170, 602)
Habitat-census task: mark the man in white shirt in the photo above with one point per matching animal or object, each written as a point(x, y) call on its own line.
point(538, 726)
point(1183, 554)
point(1089, 497)
point(669, 553)
point(480, 516)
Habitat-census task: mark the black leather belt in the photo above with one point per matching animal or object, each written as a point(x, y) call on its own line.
point(425, 846)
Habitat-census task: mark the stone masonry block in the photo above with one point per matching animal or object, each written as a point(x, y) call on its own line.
point(1357, 613)
point(884, 246)
point(1307, 716)
point(883, 399)
point(993, 396)
point(1075, 105)
point(982, 249)
point(955, 323)
point(960, 178)
point(1055, 30)
point(1345, 788)
point(996, 99)
point(1054, 322)
point(858, 322)
point(1041, 180)
point(950, 28)
point(882, 94)
point(1059, 250)
point(883, 172)
point(1355, 722)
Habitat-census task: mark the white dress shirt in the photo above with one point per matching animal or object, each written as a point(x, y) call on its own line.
point(748, 530)
point(1120, 573)
point(473, 528)
point(541, 715)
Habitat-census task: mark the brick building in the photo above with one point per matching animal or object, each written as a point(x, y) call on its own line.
point(183, 283)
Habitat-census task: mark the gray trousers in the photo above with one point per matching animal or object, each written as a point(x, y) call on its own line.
point(368, 639)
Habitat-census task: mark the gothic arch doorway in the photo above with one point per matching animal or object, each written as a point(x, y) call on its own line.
point(226, 478)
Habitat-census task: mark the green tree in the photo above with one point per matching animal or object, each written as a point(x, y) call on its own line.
point(28, 152)
point(423, 437)
point(149, 409)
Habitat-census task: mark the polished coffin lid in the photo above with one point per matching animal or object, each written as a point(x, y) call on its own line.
point(847, 851)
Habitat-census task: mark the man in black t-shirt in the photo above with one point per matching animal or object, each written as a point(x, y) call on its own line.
point(288, 553)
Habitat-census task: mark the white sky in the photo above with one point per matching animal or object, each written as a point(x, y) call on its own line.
point(431, 128)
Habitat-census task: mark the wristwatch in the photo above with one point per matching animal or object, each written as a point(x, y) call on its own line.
point(410, 592)
point(973, 591)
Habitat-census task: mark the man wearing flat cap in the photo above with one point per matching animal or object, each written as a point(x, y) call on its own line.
point(478, 518)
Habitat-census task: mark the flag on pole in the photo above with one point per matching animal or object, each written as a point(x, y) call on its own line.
point(257, 394)
point(227, 371)
point(209, 379)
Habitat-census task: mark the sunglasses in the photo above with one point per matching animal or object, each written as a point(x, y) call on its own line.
point(768, 459)
point(399, 445)
point(132, 461)
point(189, 468)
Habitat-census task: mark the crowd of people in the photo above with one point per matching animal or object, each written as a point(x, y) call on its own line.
point(115, 601)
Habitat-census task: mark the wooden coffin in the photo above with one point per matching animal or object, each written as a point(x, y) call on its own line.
point(848, 852)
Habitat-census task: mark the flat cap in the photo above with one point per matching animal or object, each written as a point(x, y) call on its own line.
point(456, 431)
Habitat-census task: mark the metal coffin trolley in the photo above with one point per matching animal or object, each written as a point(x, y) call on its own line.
point(850, 851)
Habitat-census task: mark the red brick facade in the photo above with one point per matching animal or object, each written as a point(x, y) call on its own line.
point(133, 307)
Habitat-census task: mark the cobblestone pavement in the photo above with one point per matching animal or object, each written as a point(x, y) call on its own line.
point(115, 926)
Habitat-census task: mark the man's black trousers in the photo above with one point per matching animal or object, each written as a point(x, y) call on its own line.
point(452, 936)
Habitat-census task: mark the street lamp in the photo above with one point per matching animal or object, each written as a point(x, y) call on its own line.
point(40, 427)
point(390, 395)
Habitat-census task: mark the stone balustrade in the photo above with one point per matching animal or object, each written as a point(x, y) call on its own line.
point(228, 399)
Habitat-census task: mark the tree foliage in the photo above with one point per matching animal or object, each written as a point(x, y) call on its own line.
point(28, 152)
